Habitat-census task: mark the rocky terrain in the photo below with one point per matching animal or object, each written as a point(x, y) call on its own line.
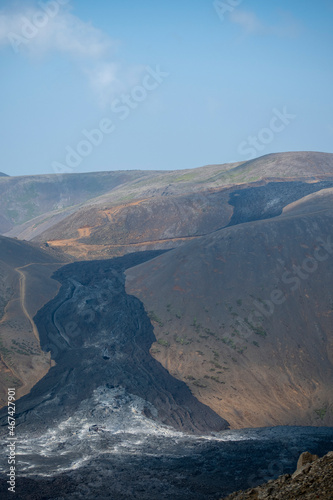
point(312, 479)
point(108, 449)
point(200, 297)
point(151, 311)
point(98, 334)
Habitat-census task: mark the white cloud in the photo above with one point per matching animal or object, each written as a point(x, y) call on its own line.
point(248, 20)
point(286, 26)
point(104, 75)
point(40, 31)
point(104, 79)
point(68, 34)
point(36, 32)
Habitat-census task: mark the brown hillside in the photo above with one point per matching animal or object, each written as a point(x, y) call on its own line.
point(153, 223)
point(43, 199)
point(164, 218)
point(24, 288)
point(251, 338)
point(114, 205)
point(106, 214)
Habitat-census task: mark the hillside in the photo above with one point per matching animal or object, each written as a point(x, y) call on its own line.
point(173, 207)
point(283, 166)
point(31, 222)
point(95, 346)
point(232, 231)
point(246, 328)
point(167, 222)
point(147, 224)
point(169, 321)
point(25, 198)
point(311, 480)
point(300, 165)
point(25, 286)
point(92, 215)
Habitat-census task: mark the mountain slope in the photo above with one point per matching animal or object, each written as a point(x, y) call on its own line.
point(283, 166)
point(168, 210)
point(29, 197)
point(137, 185)
point(81, 196)
point(191, 210)
point(153, 223)
point(100, 337)
point(302, 164)
point(25, 286)
point(244, 316)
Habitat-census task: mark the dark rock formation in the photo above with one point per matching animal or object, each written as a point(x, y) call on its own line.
point(177, 467)
point(265, 202)
point(99, 335)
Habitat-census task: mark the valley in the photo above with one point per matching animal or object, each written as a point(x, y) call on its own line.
point(181, 318)
point(166, 250)
point(98, 334)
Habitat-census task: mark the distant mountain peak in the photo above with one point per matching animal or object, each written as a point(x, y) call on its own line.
point(3, 175)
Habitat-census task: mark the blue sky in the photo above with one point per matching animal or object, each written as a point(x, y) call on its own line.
point(129, 84)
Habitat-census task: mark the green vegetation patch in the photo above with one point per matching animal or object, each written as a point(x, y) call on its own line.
point(191, 176)
point(199, 384)
point(321, 412)
point(163, 342)
point(182, 340)
point(153, 317)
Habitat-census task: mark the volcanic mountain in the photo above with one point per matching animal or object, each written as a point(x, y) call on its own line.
point(147, 306)
point(236, 234)
point(100, 215)
point(244, 316)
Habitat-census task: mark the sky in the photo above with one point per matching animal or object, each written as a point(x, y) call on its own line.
point(160, 85)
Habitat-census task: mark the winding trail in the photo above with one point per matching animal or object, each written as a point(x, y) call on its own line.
point(23, 293)
point(22, 299)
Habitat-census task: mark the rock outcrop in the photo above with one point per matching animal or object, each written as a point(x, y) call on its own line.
point(312, 479)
